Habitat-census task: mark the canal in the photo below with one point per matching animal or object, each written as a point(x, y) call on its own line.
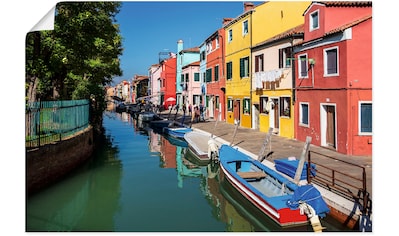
point(140, 181)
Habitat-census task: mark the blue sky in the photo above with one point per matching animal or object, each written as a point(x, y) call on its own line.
point(149, 28)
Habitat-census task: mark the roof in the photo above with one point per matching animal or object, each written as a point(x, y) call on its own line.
point(196, 63)
point(340, 4)
point(194, 49)
point(343, 27)
point(296, 31)
point(348, 25)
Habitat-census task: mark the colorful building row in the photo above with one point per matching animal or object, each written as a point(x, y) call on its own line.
point(302, 68)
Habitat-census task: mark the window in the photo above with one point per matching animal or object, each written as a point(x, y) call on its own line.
point(208, 75)
point(182, 78)
point(247, 106)
point(285, 108)
point(263, 105)
point(314, 20)
point(229, 70)
point(196, 77)
point(284, 55)
point(208, 47)
point(202, 57)
point(217, 101)
point(331, 61)
point(216, 73)
point(365, 116)
point(244, 67)
point(203, 77)
point(217, 42)
point(229, 104)
point(230, 35)
point(304, 114)
point(259, 63)
point(303, 66)
point(244, 28)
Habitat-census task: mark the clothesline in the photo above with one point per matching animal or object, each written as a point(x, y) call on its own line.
point(267, 76)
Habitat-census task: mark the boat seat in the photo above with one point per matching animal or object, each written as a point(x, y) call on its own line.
point(252, 174)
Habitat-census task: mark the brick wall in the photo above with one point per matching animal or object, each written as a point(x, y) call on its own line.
point(48, 164)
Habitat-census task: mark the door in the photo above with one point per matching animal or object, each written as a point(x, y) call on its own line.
point(211, 107)
point(330, 126)
point(276, 115)
point(236, 110)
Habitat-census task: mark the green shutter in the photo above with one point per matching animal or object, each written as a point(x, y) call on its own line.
point(242, 71)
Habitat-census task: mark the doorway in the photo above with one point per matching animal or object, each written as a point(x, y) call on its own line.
point(328, 126)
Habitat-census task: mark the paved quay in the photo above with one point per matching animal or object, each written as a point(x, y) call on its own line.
point(251, 141)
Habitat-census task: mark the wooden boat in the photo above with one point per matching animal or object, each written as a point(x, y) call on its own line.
point(177, 132)
point(176, 141)
point(199, 143)
point(279, 197)
point(146, 116)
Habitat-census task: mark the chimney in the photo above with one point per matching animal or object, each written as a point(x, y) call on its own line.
point(226, 20)
point(248, 6)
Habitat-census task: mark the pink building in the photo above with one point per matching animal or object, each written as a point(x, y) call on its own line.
point(192, 84)
point(333, 77)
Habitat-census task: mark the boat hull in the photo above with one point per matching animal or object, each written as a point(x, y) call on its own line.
point(272, 201)
point(176, 132)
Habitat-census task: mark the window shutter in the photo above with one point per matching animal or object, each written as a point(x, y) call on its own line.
point(242, 68)
point(257, 63)
point(280, 58)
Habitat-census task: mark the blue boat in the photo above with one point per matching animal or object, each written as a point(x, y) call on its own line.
point(280, 198)
point(177, 132)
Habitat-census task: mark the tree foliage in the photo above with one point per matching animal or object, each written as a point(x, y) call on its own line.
point(78, 57)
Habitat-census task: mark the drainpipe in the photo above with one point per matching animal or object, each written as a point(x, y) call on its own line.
point(250, 69)
point(293, 72)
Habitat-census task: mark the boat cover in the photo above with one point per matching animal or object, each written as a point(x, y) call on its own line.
point(310, 195)
point(289, 168)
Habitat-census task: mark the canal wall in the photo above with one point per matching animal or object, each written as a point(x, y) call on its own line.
point(51, 162)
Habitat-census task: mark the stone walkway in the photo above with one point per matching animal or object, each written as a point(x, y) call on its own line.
point(252, 141)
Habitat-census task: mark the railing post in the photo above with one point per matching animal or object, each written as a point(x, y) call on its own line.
point(40, 108)
point(309, 179)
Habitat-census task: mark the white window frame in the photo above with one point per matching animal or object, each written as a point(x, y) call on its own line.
point(311, 20)
point(217, 42)
point(229, 104)
point(245, 28)
point(245, 108)
point(230, 35)
point(326, 61)
point(301, 114)
point(360, 118)
point(300, 66)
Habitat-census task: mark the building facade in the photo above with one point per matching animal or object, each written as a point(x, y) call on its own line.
point(334, 77)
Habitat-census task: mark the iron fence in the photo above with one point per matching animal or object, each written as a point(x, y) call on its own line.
point(51, 121)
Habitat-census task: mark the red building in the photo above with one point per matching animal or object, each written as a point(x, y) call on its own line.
point(333, 77)
point(168, 81)
point(215, 80)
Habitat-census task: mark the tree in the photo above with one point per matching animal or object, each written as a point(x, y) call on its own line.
point(79, 57)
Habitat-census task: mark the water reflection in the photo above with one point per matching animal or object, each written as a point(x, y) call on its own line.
point(141, 181)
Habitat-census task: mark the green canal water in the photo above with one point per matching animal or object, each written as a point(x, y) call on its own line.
point(138, 181)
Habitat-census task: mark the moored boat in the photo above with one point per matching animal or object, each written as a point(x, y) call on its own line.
point(282, 199)
point(177, 132)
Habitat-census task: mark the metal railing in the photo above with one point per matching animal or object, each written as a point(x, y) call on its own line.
point(51, 121)
point(352, 187)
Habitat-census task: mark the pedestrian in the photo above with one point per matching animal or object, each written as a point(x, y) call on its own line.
point(189, 109)
point(184, 108)
point(201, 111)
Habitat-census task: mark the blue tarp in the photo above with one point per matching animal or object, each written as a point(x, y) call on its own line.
point(289, 168)
point(310, 195)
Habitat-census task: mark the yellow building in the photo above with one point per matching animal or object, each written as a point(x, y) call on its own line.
point(272, 75)
point(238, 44)
point(254, 26)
